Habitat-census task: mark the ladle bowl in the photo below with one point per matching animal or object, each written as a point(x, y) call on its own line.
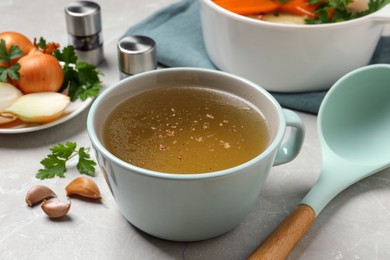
point(354, 133)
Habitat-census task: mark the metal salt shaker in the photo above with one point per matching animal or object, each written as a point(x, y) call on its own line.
point(136, 54)
point(83, 22)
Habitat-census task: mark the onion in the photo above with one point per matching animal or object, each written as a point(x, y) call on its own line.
point(8, 95)
point(41, 107)
point(6, 118)
point(14, 38)
point(39, 72)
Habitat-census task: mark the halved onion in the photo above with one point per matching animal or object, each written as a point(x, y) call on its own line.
point(8, 95)
point(6, 118)
point(42, 107)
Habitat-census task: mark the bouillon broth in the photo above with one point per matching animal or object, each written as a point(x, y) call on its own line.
point(185, 129)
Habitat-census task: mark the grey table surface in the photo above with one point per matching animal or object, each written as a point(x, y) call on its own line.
point(355, 225)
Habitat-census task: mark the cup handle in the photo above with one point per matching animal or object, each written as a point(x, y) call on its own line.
point(289, 149)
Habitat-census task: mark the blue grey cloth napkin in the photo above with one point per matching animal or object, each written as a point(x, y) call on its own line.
point(178, 34)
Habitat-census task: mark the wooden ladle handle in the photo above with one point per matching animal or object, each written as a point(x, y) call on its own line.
point(283, 239)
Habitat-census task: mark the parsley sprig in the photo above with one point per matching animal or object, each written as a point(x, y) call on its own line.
point(55, 163)
point(81, 78)
point(334, 11)
point(6, 57)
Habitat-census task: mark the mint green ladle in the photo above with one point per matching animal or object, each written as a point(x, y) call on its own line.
point(354, 132)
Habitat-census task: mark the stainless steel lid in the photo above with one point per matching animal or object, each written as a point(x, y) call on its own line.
point(83, 18)
point(136, 54)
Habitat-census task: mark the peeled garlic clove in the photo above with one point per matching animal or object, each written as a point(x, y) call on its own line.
point(55, 208)
point(38, 193)
point(42, 107)
point(8, 95)
point(83, 186)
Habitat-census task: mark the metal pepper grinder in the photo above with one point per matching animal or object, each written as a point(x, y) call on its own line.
point(83, 22)
point(136, 54)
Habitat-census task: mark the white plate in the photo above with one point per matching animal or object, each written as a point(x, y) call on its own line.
point(72, 110)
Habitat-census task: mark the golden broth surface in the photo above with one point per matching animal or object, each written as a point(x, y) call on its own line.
point(185, 130)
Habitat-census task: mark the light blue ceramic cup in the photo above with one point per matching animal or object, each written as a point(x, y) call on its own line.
point(190, 207)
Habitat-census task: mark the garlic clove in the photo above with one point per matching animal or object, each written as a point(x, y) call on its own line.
point(38, 193)
point(55, 208)
point(42, 107)
point(83, 186)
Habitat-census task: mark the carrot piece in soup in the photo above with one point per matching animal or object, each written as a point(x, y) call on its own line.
point(245, 7)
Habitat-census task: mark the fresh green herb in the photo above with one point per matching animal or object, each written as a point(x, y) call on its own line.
point(81, 78)
point(41, 43)
point(376, 5)
point(6, 57)
point(55, 163)
point(334, 11)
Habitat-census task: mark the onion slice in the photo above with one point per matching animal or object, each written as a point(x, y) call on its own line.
point(42, 107)
point(6, 118)
point(8, 95)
